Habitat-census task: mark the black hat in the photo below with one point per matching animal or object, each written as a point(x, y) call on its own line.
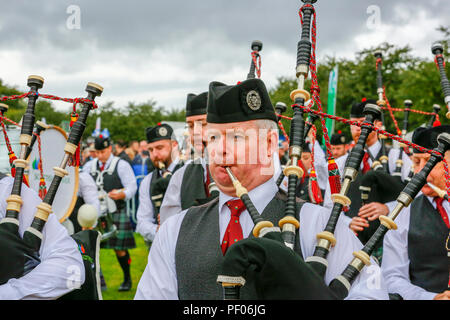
point(248, 100)
point(101, 143)
point(305, 147)
point(161, 131)
point(427, 137)
point(338, 139)
point(357, 110)
point(196, 104)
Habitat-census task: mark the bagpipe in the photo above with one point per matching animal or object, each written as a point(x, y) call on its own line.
point(268, 260)
point(326, 238)
point(273, 249)
point(434, 116)
point(159, 187)
point(437, 49)
point(381, 102)
point(441, 193)
point(399, 162)
point(341, 285)
point(255, 64)
point(21, 254)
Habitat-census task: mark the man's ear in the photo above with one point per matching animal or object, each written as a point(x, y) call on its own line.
point(272, 142)
point(378, 123)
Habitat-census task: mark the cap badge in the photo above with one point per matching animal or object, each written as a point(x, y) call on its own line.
point(343, 139)
point(253, 100)
point(162, 131)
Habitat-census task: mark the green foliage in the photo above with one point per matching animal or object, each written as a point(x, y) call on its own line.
point(129, 123)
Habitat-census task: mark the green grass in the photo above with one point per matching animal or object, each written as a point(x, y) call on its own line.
point(113, 273)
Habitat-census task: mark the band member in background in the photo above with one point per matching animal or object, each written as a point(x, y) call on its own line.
point(120, 146)
point(362, 215)
point(302, 187)
point(59, 253)
point(88, 154)
point(416, 255)
point(120, 184)
point(183, 261)
point(191, 182)
point(164, 155)
point(338, 143)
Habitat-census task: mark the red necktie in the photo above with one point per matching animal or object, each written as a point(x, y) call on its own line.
point(366, 165)
point(442, 211)
point(102, 166)
point(234, 230)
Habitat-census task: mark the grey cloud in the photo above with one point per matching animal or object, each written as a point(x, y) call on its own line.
point(204, 38)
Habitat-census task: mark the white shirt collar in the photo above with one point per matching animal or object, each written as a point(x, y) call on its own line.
point(375, 148)
point(108, 162)
point(260, 196)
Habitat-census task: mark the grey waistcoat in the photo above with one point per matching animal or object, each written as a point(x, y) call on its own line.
point(198, 255)
point(427, 236)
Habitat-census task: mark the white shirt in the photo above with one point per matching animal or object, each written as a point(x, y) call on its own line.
point(61, 261)
point(395, 266)
point(125, 172)
point(406, 167)
point(88, 190)
point(321, 165)
point(159, 280)
point(146, 223)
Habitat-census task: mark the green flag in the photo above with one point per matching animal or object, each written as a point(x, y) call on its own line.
point(332, 93)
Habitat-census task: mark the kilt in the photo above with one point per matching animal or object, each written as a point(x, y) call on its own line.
point(124, 238)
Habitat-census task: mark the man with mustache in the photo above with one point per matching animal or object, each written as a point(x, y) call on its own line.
point(416, 256)
point(164, 153)
point(188, 250)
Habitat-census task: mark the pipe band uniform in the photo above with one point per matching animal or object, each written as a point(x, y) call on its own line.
point(419, 274)
point(221, 269)
point(419, 242)
point(26, 249)
point(116, 183)
point(165, 157)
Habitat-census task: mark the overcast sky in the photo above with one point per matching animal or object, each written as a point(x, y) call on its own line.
point(165, 49)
